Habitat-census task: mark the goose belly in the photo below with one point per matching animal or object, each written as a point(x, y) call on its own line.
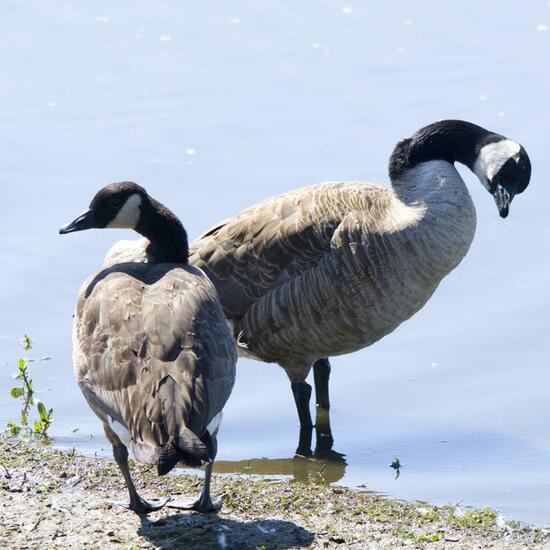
point(346, 322)
point(352, 299)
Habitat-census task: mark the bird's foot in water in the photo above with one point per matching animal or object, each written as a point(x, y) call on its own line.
point(201, 504)
point(303, 452)
point(330, 456)
point(324, 443)
point(141, 506)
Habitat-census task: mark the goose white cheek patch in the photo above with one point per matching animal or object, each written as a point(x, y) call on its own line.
point(128, 215)
point(493, 157)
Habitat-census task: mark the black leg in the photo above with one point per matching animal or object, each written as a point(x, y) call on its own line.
point(321, 375)
point(204, 503)
point(302, 395)
point(137, 503)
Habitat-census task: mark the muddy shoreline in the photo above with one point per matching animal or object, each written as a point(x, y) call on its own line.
point(56, 499)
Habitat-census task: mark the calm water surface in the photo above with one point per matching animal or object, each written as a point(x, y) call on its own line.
point(217, 105)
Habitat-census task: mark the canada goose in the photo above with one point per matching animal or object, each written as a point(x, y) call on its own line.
point(152, 350)
point(331, 268)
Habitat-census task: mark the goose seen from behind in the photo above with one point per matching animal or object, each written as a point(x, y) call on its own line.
point(152, 350)
point(331, 268)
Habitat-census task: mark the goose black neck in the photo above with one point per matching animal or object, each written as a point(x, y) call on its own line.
point(448, 140)
point(166, 235)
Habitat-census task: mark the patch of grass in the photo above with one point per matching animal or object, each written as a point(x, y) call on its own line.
point(387, 510)
point(405, 533)
point(484, 518)
point(430, 514)
point(429, 537)
point(413, 536)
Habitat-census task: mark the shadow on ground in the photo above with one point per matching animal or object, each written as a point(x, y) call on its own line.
point(194, 532)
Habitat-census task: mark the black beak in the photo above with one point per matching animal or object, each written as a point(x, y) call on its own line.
point(503, 199)
point(84, 221)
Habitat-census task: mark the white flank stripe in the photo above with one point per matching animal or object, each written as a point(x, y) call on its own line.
point(214, 424)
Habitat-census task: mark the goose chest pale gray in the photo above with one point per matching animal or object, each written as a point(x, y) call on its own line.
point(153, 353)
point(331, 268)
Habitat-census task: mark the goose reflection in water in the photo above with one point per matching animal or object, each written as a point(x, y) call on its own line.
point(325, 470)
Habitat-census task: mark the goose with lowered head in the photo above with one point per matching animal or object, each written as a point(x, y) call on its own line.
point(331, 268)
point(152, 350)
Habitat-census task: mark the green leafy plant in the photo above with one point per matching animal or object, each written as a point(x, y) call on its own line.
point(38, 429)
point(26, 342)
point(44, 421)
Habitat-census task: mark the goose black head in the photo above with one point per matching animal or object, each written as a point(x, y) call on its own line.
point(504, 168)
point(116, 205)
point(502, 165)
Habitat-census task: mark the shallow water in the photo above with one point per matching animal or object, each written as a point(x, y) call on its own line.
point(216, 106)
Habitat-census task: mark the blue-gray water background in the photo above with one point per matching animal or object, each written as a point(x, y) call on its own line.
point(213, 106)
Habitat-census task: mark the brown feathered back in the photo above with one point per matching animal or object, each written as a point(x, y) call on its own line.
point(333, 267)
point(154, 355)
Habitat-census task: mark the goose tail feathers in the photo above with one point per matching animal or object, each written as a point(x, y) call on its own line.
point(187, 448)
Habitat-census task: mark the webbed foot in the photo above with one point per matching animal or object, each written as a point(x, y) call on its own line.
point(324, 443)
point(141, 506)
point(204, 505)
